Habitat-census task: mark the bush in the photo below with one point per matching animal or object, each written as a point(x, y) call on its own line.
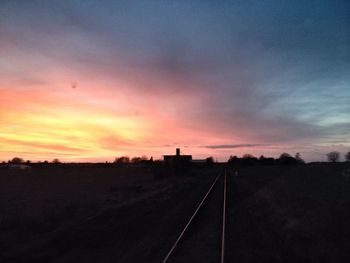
point(333, 156)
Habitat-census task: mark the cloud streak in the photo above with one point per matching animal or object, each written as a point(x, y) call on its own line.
point(233, 146)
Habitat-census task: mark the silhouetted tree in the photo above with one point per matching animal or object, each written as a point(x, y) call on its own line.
point(266, 160)
point(249, 160)
point(333, 156)
point(56, 161)
point(234, 160)
point(136, 159)
point(17, 160)
point(286, 159)
point(122, 160)
point(209, 160)
point(298, 158)
point(347, 157)
point(284, 155)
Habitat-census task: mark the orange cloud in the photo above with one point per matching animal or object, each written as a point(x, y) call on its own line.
point(34, 120)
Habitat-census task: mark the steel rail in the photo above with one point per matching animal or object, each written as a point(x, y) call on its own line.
point(223, 223)
point(189, 222)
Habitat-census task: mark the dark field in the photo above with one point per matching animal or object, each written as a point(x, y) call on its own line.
point(110, 214)
point(296, 214)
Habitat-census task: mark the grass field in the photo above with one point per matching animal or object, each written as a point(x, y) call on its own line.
point(100, 214)
point(300, 214)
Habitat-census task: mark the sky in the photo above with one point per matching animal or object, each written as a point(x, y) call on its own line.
point(91, 80)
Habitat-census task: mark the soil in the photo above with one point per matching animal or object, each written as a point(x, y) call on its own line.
point(107, 214)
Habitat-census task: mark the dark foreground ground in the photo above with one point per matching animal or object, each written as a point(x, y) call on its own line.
point(294, 214)
point(109, 214)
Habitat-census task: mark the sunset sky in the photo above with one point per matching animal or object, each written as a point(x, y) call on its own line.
point(92, 80)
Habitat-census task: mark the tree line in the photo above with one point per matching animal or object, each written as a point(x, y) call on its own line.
point(284, 159)
point(335, 156)
point(251, 160)
point(246, 159)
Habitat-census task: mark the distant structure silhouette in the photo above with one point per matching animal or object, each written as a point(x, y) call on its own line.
point(178, 163)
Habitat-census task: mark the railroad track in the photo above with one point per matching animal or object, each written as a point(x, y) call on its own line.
point(203, 237)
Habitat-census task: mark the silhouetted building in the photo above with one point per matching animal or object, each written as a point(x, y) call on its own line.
point(178, 163)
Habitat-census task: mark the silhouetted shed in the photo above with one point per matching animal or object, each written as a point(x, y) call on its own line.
point(178, 163)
